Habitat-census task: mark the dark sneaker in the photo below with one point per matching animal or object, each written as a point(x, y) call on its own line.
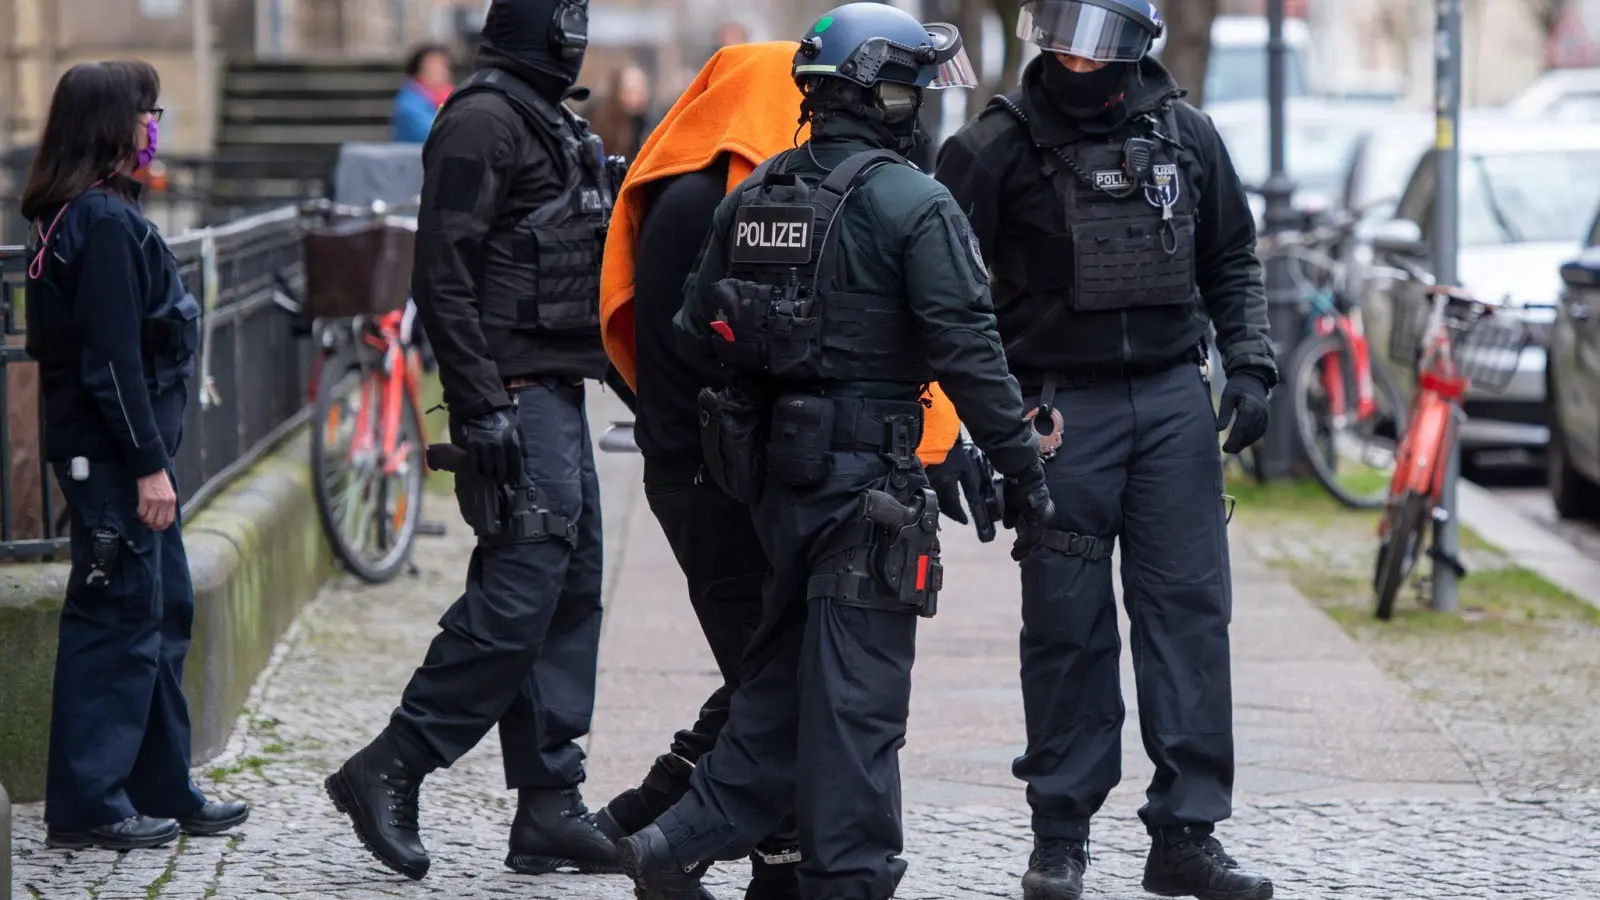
point(1189, 862)
point(772, 874)
point(215, 817)
point(132, 833)
point(633, 809)
point(553, 831)
point(380, 795)
point(1055, 870)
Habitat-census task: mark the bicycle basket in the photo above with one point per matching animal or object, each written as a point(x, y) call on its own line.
point(1488, 349)
point(357, 268)
point(1405, 332)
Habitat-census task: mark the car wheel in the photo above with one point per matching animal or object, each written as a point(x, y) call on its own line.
point(1575, 496)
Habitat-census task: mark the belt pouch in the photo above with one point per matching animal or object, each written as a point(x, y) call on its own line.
point(801, 440)
point(728, 428)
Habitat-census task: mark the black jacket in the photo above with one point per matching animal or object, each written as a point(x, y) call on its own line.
point(677, 217)
point(902, 236)
point(484, 169)
point(996, 171)
point(107, 274)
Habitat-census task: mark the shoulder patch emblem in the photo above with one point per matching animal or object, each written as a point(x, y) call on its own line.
point(1162, 190)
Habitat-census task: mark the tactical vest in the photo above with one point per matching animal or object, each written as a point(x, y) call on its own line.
point(781, 310)
point(542, 275)
point(169, 333)
point(1124, 246)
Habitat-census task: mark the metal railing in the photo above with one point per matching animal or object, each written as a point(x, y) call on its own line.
point(248, 394)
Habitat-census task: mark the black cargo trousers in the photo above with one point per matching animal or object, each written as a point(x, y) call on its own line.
point(819, 716)
point(519, 647)
point(713, 538)
point(1139, 462)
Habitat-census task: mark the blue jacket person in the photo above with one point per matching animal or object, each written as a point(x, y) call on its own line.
point(115, 335)
point(1117, 232)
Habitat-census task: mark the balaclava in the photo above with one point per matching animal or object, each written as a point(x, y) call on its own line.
point(524, 31)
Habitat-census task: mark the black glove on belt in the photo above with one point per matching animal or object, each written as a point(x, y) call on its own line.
point(1028, 509)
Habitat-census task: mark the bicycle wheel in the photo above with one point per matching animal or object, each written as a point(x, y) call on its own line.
point(1353, 457)
point(1404, 524)
point(369, 515)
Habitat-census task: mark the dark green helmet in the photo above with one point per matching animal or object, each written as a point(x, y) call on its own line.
point(869, 44)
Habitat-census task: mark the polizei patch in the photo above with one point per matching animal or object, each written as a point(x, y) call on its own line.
point(1112, 180)
point(1162, 189)
point(776, 234)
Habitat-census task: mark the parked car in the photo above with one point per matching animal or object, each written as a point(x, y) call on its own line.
point(1238, 64)
point(1319, 137)
point(1571, 94)
point(1528, 190)
point(1572, 405)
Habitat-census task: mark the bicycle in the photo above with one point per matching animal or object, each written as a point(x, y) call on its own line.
point(1461, 343)
point(1349, 414)
point(367, 435)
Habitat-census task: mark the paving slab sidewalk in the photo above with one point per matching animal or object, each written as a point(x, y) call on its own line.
point(1344, 788)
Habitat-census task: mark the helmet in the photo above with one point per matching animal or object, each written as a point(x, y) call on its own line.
point(869, 44)
point(1101, 30)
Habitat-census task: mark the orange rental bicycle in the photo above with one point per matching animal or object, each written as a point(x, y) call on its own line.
point(1460, 344)
point(367, 438)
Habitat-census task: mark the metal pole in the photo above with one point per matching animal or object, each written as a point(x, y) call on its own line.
point(5, 835)
point(1447, 101)
point(1282, 456)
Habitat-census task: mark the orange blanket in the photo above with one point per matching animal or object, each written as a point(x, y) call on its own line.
point(743, 103)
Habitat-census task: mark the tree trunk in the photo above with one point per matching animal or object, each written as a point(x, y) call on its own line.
point(970, 23)
point(1189, 44)
point(1008, 11)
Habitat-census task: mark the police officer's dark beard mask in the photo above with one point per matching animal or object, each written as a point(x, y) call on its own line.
point(1084, 95)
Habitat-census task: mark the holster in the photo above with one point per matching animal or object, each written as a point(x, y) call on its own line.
point(502, 514)
point(898, 570)
point(730, 427)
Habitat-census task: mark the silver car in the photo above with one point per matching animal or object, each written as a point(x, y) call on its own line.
point(1528, 190)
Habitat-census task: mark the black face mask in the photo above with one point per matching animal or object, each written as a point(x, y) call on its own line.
point(1084, 95)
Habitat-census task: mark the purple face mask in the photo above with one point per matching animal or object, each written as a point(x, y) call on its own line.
point(152, 130)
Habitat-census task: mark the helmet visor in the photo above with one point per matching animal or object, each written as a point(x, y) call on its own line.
point(955, 69)
point(1083, 29)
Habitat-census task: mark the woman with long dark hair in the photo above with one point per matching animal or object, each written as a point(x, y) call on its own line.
point(115, 336)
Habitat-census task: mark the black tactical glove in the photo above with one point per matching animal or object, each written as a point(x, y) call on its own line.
point(950, 479)
point(493, 443)
point(1245, 404)
point(1028, 509)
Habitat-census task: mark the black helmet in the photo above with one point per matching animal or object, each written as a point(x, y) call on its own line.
point(1101, 30)
point(869, 44)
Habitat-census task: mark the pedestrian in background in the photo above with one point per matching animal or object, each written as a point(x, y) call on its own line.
point(115, 335)
point(428, 86)
point(507, 281)
point(622, 117)
point(1117, 233)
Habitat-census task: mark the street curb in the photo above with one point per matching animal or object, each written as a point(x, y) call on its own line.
point(1528, 544)
point(257, 555)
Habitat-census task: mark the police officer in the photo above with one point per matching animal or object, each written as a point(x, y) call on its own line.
point(115, 335)
point(515, 200)
point(837, 280)
point(1117, 230)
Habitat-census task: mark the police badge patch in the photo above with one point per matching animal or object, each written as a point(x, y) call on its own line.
point(1161, 191)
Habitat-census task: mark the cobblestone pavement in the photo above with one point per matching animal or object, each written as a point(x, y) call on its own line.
point(1345, 788)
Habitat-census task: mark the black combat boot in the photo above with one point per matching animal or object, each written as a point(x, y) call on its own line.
point(380, 792)
point(772, 873)
point(1055, 870)
point(648, 859)
point(633, 809)
point(1189, 862)
point(553, 830)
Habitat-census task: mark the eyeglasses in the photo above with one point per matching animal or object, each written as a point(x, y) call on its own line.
point(156, 111)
